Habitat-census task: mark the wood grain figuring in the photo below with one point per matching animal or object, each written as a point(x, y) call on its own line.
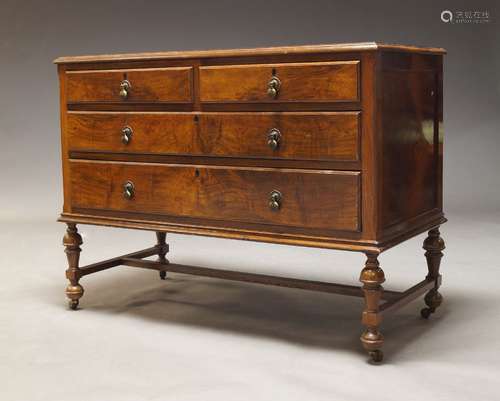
point(327, 199)
point(409, 151)
point(172, 85)
point(344, 151)
point(312, 82)
point(303, 136)
point(63, 112)
point(369, 151)
point(439, 132)
point(306, 50)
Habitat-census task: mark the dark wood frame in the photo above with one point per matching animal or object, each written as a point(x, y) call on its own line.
point(382, 225)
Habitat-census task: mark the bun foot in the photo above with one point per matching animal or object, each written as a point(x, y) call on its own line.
point(372, 342)
point(74, 293)
point(433, 299)
point(426, 312)
point(376, 355)
point(73, 304)
point(163, 274)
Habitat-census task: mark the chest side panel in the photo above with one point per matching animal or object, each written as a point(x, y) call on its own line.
point(411, 141)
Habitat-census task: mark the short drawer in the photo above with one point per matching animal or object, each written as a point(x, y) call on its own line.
point(329, 136)
point(172, 85)
point(323, 199)
point(336, 81)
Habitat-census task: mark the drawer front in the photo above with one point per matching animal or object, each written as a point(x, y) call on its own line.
point(321, 199)
point(173, 85)
point(299, 136)
point(297, 82)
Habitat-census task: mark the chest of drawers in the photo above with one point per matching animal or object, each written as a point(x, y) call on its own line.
point(332, 146)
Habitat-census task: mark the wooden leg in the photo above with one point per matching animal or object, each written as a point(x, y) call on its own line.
point(162, 247)
point(433, 246)
point(372, 276)
point(72, 241)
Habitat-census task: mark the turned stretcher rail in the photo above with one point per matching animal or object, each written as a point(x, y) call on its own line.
point(409, 295)
point(107, 264)
point(378, 301)
point(332, 288)
point(394, 299)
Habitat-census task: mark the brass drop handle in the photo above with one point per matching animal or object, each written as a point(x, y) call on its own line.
point(125, 89)
point(273, 138)
point(275, 200)
point(126, 135)
point(128, 190)
point(273, 87)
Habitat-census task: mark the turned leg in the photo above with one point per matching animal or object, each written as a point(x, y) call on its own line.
point(72, 241)
point(162, 251)
point(433, 246)
point(372, 276)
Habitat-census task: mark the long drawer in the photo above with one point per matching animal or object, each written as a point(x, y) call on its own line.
point(301, 136)
point(146, 85)
point(335, 81)
point(321, 199)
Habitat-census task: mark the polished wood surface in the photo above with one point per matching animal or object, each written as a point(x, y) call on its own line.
point(265, 51)
point(162, 247)
point(409, 166)
point(72, 241)
point(302, 136)
point(147, 85)
point(372, 277)
point(332, 146)
point(434, 246)
point(235, 194)
point(307, 82)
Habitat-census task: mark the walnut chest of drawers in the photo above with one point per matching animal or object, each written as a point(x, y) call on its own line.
point(332, 146)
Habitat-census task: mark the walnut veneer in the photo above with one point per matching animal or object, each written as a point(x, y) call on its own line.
point(332, 146)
